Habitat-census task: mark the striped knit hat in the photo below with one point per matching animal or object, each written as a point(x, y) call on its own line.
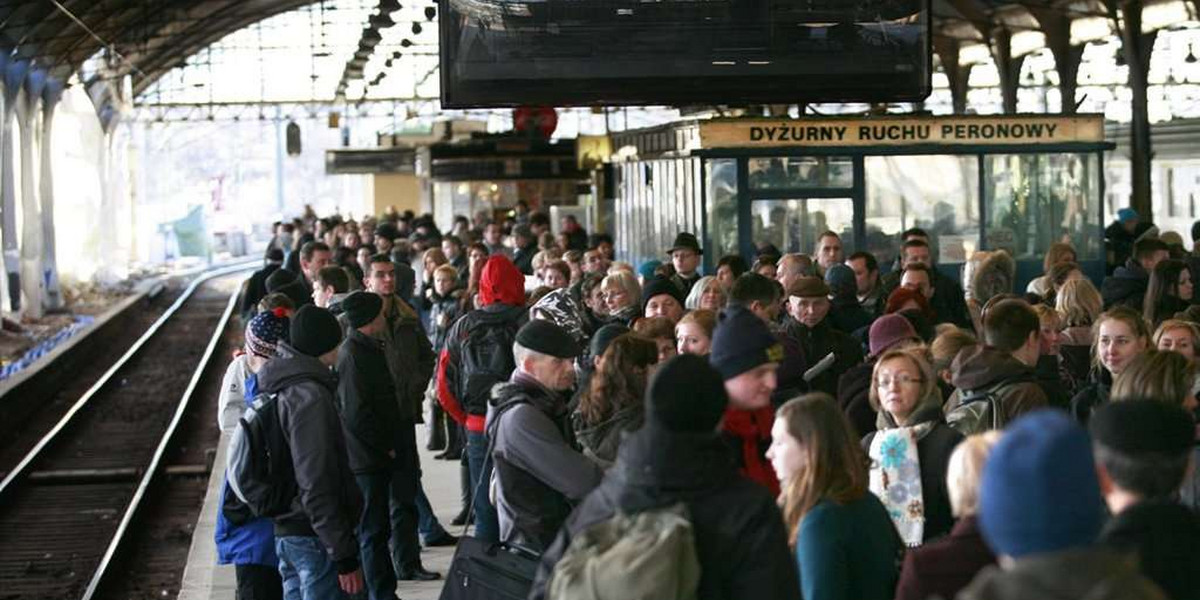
point(265, 330)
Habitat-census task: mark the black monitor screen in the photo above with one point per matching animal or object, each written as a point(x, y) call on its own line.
point(498, 53)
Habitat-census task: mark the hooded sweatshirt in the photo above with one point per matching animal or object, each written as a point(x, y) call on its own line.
point(328, 504)
point(1085, 573)
point(982, 368)
point(502, 301)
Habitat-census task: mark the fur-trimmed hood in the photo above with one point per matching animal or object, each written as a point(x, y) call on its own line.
point(989, 274)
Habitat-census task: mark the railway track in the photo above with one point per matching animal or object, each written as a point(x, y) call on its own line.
point(67, 509)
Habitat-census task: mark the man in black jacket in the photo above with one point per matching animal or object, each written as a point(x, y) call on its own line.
point(829, 352)
point(946, 296)
point(256, 286)
point(539, 477)
point(1127, 285)
point(318, 552)
point(677, 457)
point(1143, 449)
point(382, 447)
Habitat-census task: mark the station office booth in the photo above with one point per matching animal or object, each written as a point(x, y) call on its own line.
point(973, 182)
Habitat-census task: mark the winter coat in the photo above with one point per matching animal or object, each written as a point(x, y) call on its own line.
point(1051, 380)
point(539, 477)
point(470, 412)
point(1092, 397)
point(685, 283)
point(1075, 347)
point(410, 357)
point(986, 369)
point(328, 504)
point(739, 534)
point(256, 290)
point(944, 567)
point(1165, 536)
point(1083, 573)
point(246, 543)
point(848, 552)
point(933, 452)
point(232, 400)
point(443, 312)
point(854, 396)
point(368, 400)
point(848, 316)
point(874, 301)
point(601, 440)
point(1126, 286)
point(523, 258)
point(1119, 242)
point(818, 342)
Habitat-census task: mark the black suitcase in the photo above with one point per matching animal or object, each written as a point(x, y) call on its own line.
point(493, 571)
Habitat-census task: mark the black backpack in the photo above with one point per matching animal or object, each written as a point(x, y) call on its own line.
point(486, 359)
point(259, 465)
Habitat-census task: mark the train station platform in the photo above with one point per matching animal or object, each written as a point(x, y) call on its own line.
point(204, 579)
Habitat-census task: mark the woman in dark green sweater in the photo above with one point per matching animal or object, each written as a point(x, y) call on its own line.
point(846, 546)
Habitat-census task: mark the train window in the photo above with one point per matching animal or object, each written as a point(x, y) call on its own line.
point(789, 172)
point(939, 193)
point(722, 195)
point(793, 225)
point(1034, 200)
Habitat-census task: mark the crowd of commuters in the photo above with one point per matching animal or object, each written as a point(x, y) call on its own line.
point(795, 426)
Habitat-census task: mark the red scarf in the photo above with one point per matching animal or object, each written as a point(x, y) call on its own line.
point(753, 427)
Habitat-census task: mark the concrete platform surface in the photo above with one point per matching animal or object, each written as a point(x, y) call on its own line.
point(204, 579)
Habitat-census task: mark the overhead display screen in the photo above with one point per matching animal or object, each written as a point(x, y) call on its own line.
point(507, 53)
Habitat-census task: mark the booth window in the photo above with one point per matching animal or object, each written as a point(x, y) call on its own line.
point(794, 225)
point(1034, 200)
point(655, 201)
point(722, 187)
point(801, 172)
point(938, 193)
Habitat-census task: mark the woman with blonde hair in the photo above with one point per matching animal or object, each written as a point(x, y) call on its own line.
point(622, 297)
point(910, 448)
point(707, 293)
point(1057, 253)
point(941, 568)
point(845, 544)
point(1121, 334)
point(1177, 335)
point(1161, 376)
point(1079, 304)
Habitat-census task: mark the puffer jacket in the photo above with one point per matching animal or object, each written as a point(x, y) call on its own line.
point(1126, 286)
point(328, 504)
point(983, 368)
point(410, 357)
point(739, 534)
point(1089, 573)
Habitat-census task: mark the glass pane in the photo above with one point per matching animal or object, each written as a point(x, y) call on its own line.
point(806, 172)
point(1034, 200)
point(794, 225)
point(722, 207)
point(938, 193)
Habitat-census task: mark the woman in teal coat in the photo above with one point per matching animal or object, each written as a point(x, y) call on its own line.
point(846, 546)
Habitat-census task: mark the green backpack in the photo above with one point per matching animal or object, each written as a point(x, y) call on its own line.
point(650, 555)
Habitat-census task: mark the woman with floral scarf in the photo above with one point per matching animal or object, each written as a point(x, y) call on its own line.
point(911, 448)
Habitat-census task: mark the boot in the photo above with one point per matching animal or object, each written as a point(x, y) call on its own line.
point(455, 442)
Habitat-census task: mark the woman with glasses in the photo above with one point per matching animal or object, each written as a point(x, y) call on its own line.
point(910, 449)
point(622, 297)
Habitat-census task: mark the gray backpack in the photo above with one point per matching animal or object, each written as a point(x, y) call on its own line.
point(650, 555)
point(977, 412)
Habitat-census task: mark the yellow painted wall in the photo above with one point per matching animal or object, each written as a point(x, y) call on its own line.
point(399, 190)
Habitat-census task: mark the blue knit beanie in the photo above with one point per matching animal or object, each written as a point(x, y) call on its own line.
point(647, 268)
point(1039, 491)
point(1126, 215)
point(741, 342)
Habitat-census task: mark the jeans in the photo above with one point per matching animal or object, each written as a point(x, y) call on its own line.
point(487, 523)
point(427, 523)
point(374, 531)
point(307, 570)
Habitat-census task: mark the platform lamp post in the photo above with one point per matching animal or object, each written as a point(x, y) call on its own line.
point(14, 76)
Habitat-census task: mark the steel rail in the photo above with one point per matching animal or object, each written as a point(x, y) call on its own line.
point(18, 471)
point(155, 462)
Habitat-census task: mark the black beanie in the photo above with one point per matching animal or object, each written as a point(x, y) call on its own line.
point(605, 336)
point(361, 308)
point(315, 331)
point(547, 338)
point(686, 395)
point(659, 286)
point(278, 279)
point(741, 342)
point(1143, 426)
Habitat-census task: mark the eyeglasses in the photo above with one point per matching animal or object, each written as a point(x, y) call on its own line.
point(886, 382)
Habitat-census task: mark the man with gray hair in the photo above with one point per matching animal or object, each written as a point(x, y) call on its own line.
point(793, 266)
point(538, 476)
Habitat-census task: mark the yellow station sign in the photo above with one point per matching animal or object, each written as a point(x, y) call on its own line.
point(900, 131)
